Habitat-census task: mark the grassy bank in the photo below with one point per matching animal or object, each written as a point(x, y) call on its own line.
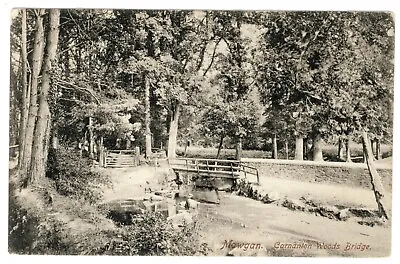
point(329, 152)
point(353, 177)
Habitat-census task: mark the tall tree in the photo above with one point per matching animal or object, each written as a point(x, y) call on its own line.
point(37, 58)
point(42, 128)
point(25, 88)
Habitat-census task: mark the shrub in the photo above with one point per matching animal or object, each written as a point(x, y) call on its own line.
point(74, 176)
point(244, 188)
point(30, 231)
point(151, 235)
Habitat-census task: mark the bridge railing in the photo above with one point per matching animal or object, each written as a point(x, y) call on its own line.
point(213, 167)
point(250, 170)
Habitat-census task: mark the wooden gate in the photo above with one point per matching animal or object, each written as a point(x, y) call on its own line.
point(121, 158)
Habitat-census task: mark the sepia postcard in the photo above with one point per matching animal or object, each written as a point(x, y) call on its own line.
point(206, 132)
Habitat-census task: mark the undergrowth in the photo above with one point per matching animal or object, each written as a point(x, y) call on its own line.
point(60, 215)
point(151, 235)
point(73, 175)
point(31, 231)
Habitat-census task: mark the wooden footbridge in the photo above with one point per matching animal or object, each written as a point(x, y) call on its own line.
point(211, 168)
point(214, 168)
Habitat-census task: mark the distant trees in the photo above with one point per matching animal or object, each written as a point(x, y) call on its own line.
point(325, 70)
point(236, 112)
point(160, 76)
point(333, 70)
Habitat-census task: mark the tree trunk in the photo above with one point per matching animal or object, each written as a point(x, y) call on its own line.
point(186, 148)
point(372, 148)
point(376, 180)
point(46, 144)
point(317, 148)
point(364, 157)
point(298, 154)
point(91, 140)
point(238, 155)
point(54, 139)
point(341, 150)
point(348, 150)
point(286, 149)
point(33, 108)
point(25, 89)
point(14, 114)
point(221, 142)
point(305, 148)
point(274, 147)
point(137, 156)
point(378, 149)
point(101, 152)
point(42, 133)
point(147, 118)
point(173, 131)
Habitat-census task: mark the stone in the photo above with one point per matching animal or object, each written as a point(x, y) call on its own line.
point(161, 192)
point(344, 214)
point(162, 205)
point(206, 195)
point(182, 204)
point(181, 219)
point(171, 209)
point(223, 184)
point(150, 206)
point(294, 204)
point(129, 205)
point(274, 196)
point(152, 197)
point(328, 211)
point(332, 209)
point(184, 190)
point(192, 204)
point(271, 197)
point(205, 182)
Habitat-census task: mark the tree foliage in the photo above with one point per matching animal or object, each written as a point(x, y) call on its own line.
point(214, 74)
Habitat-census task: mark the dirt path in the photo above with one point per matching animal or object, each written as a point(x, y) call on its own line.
point(332, 194)
point(132, 182)
point(243, 220)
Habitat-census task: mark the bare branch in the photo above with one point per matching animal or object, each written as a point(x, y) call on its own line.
point(77, 88)
point(212, 57)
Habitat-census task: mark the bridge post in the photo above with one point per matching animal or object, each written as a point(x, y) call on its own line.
point(105, 154)
point(101, 159)
point(137, 155)
point(208, 168)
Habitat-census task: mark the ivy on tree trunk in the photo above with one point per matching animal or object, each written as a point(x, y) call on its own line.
point(24, 167)
point(42, 133)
